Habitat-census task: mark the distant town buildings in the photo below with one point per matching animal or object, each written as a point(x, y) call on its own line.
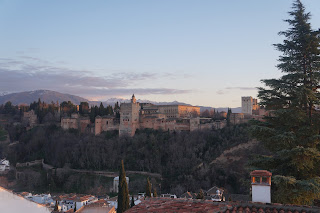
point(100, 206)
point(67, 202)
point(40, 198)
point(4, 165)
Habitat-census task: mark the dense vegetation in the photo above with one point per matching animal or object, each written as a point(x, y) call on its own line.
point(176, 156)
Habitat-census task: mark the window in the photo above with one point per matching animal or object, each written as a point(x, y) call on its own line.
point(264, 180)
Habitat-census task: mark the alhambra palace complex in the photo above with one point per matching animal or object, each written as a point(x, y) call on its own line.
point(135, 115)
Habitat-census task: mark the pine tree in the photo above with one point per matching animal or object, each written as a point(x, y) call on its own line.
point(132, 202)
point(123, 194)
point(148, 188)
point(291, 130)
point(200, 195)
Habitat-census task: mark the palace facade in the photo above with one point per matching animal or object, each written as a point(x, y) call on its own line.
point(135, 115)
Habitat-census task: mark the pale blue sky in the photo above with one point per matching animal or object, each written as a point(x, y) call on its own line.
point(202, 52)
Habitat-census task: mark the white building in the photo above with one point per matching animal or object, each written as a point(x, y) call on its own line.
point(67, 203)
point(215, 193)
point(4, 165)
point(168, 195)
point(113, 201)
point(116, 184)
point(42, 198)
point(248, 104)
point(261, 186)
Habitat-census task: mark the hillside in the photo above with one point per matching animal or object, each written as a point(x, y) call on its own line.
point(45, 95)
point(175, 156)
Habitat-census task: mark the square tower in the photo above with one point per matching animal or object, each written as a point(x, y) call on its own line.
point(129, 117)
point(248, 104)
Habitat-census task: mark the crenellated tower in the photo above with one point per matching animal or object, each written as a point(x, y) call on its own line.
point(129, 117)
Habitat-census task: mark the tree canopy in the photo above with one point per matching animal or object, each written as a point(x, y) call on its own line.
point(291, 129)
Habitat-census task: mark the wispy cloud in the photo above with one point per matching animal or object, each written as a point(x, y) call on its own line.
point(228, 89)
point(33, 74)
point(221, 92)
point(241, 88)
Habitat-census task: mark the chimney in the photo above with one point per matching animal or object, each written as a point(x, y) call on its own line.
point(261, 186)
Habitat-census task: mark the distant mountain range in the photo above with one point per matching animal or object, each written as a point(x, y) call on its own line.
point(45, 95)
point(49, 96)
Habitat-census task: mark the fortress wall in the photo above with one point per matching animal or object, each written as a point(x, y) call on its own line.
point(83, 124)
point(97, 125)
point(206, 126)
point(69, 123)
point(194, 124)
point(147, 123)
point(170, 125)
point(109, 124)
point(182, 127)
point(160, 124)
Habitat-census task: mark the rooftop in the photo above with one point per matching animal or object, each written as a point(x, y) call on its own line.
point(175, 205)
point(261, 173)
point(187, 205)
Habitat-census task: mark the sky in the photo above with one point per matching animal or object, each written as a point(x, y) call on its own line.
point(201, 52)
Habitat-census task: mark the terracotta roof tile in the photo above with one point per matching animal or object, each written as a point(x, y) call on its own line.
point(186, 205)
point(176, 205)
point(260, 173)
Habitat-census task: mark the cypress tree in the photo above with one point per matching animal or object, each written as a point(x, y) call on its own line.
point(92, 114)
point(101, 109)
point(148, 188)
point(155, 192)
point(228, 116)
point(291, 130)
point(56, 208)
point(132, 202)
point(109, 110)
point(123, 194)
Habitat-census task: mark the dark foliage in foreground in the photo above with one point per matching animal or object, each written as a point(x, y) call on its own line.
point(176, 156)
